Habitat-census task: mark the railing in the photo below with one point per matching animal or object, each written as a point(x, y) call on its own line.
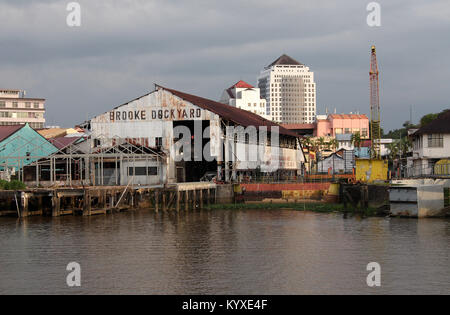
point(433, 171)
point(305, 178)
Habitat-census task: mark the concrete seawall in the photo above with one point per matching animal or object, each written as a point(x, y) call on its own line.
point(282, 191)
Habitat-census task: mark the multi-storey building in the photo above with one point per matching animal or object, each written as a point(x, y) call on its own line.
point(290, 91)
point(341, 124)
point(431, 144)
point(16, 109)
point(245, 96)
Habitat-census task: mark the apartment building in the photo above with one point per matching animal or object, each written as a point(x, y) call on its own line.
point(341, 124)
point(16, 109)
point(431, 144)
point(290, 91)
point(245, 96)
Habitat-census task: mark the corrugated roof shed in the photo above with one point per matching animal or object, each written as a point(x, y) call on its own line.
point(63, 142)
point(6, 131)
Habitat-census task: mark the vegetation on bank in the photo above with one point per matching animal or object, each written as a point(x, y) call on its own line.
point(300, 206)
point(12, 185)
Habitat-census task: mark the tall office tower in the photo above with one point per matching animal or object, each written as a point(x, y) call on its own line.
point(290, 91)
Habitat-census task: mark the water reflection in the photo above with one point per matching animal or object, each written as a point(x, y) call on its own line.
point(224, 252)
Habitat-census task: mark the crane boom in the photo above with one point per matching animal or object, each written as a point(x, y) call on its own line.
point(375, 117)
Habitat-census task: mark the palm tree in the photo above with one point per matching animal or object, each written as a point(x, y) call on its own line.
point(393, 150)
point(334, 144)
point(356, 140)
point(405, 145)
point(306, 142)
point(321, 142)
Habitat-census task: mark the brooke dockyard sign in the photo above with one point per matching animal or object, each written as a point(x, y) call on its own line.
point(143, 115)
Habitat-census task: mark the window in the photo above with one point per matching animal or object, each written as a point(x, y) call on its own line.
point(36, 105)
point(142, 171)
point(15, 105)
point(418, 142)
point(2, 104)
point(364, 132)
point(28, 104)
point(158, 141)
point(436, 141)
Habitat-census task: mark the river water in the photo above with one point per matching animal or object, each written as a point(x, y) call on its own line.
point(224, 252)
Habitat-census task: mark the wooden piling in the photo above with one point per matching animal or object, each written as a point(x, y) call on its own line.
point(186, 200)
point(201, 198)
point(164, 201)
point(56, 202)
point(156, 200)
point(178, 201)
point(24, 212)
point(87, 208)
point(194, 199)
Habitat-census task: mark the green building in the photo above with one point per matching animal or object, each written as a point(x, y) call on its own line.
point(21, 145)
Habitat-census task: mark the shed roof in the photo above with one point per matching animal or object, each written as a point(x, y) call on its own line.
point(63, 142)
point(7, 131)
point(298, 126)
point(439, 125)
point(234, 114)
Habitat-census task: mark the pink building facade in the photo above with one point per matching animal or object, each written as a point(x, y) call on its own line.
point(335, 124)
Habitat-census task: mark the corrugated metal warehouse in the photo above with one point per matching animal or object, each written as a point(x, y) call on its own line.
point(158, 120)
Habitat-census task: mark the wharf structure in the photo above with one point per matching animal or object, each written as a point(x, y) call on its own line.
point(156, 151)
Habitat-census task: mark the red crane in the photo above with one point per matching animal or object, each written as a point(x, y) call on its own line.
point(375, 120)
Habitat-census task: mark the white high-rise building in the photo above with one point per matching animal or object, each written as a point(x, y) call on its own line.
point(290, 91)
point(244, 96)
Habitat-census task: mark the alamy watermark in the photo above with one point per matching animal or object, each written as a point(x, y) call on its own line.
point(73, 279)
point(374, 277)
point(74, 17)
point(245, 145)
point(374, 16)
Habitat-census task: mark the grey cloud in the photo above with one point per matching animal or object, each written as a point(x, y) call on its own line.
point(201, 46)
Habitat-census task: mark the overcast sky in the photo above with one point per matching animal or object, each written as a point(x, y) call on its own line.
point(201, 47)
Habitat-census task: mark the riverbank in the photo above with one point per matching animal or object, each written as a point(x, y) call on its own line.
point(300, 206)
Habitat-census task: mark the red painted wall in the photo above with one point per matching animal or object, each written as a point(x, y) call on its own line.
point(281, 187)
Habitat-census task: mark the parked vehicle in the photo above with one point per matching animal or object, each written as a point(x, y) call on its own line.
point(209, 177)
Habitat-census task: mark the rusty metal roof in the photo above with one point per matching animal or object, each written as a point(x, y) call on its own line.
point(348, 116)
point(242, 85)
point(7, 131)
point(239, 116)
point(64, 141)
point(298, 126)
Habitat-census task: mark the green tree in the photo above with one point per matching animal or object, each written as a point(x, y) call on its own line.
point(356, 140)
point(321, 143)
point(334, 144)
point(425, 120)
point(393, 150)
